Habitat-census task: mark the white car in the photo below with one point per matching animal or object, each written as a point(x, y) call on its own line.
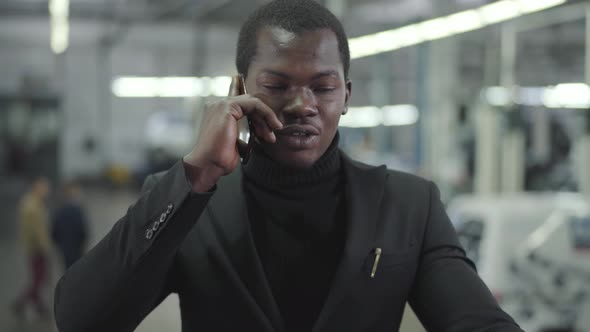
point(533, 252)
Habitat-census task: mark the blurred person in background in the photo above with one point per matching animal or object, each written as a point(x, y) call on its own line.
point(299, 237)
point(34, 234)
point(70, 226)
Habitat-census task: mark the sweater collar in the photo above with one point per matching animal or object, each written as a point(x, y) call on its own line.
point(264, 171)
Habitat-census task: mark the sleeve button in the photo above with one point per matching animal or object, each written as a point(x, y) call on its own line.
point(156, 226)
point(149, 234)
point(169, 208)
point(163, 217)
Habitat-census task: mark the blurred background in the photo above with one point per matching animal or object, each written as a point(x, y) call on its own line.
point(489, 99)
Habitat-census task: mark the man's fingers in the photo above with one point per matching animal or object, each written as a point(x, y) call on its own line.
point(254, 107)
point(264, 119)
point(263, 131)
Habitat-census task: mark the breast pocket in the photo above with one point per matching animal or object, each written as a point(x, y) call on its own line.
point(388, 261)
point(388, 289)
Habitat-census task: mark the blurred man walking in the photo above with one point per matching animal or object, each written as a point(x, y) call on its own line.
point(69, 228)
point(33, 220)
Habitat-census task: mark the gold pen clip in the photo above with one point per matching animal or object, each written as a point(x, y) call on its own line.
point(376, 262)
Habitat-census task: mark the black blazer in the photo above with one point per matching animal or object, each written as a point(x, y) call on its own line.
point(200, 246)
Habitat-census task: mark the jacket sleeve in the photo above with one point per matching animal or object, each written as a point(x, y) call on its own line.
point(119, 281)
point(448, 295)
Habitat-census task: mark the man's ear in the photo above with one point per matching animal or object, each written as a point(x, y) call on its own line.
point(347, 96)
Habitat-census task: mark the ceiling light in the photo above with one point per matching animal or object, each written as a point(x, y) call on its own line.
point(400, 115)
point(179, 87)
point(59, 11)
point(408, 36)
point(361, 117)
point(499, 11)
point(60, 31)
point(170, 87)
point(570, 95)
point(497, 96)
point(464, 21)
point(446, 26)
point(135, 87)
point(373, 116)
point(531, 6)
point(434, 29)
point(220, 86)
point(60, 8)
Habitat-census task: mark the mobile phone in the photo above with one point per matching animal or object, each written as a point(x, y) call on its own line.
point(246, 139)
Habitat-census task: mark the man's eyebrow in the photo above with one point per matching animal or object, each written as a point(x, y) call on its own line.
point(326, 73)
point(276, 73)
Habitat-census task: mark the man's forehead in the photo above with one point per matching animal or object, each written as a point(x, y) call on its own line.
point(311, 45)
point(280, 37)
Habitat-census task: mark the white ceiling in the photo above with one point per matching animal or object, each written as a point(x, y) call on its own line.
point(228, 11)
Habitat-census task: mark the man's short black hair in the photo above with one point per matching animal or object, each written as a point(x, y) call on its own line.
point(296, 16)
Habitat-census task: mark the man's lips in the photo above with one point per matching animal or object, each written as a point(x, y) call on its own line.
point(298, 130)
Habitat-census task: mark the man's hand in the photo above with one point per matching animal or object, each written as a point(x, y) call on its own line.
point(216, 152)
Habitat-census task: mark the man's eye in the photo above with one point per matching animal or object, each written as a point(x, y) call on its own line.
point(276, 87)
point(326, 89)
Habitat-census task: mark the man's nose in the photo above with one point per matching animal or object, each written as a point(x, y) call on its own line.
point(301, 104)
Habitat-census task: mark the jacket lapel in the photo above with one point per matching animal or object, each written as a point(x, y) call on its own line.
point(364, 192)
point(235, 243)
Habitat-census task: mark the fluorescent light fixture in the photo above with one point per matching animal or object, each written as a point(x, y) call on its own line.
point(135, 87)
point(206, 82)
point(361, 117)
point(497, 96)
point(530, 96)
point(568, 95)
point(59, 36)
point(59, 11)
point(360, 47)
point(531, 6)
point(373, 116)
point(468, 20)
point(385, 41)
point(400, 115)
point(499, 11)
point(170, 87)
point(220, 86)
point(550, 98)
point(445, 26)
point(179, 86)
point(408, 36)
point(59, 8)
point(435, 29)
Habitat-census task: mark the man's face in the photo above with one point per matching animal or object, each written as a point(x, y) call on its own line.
point(301, 77)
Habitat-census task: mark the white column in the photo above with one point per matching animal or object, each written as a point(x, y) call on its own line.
point(440, 133)
point(508, 55)
point(583, 144)
point(512, 142)
point(487, 122)
point(513, 161)
point(583, 150)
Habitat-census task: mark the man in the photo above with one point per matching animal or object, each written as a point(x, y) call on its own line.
point(34, 235)
point(301, 238)
point(69, 228)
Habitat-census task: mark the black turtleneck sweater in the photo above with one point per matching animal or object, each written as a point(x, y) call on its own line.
point(298, 224)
